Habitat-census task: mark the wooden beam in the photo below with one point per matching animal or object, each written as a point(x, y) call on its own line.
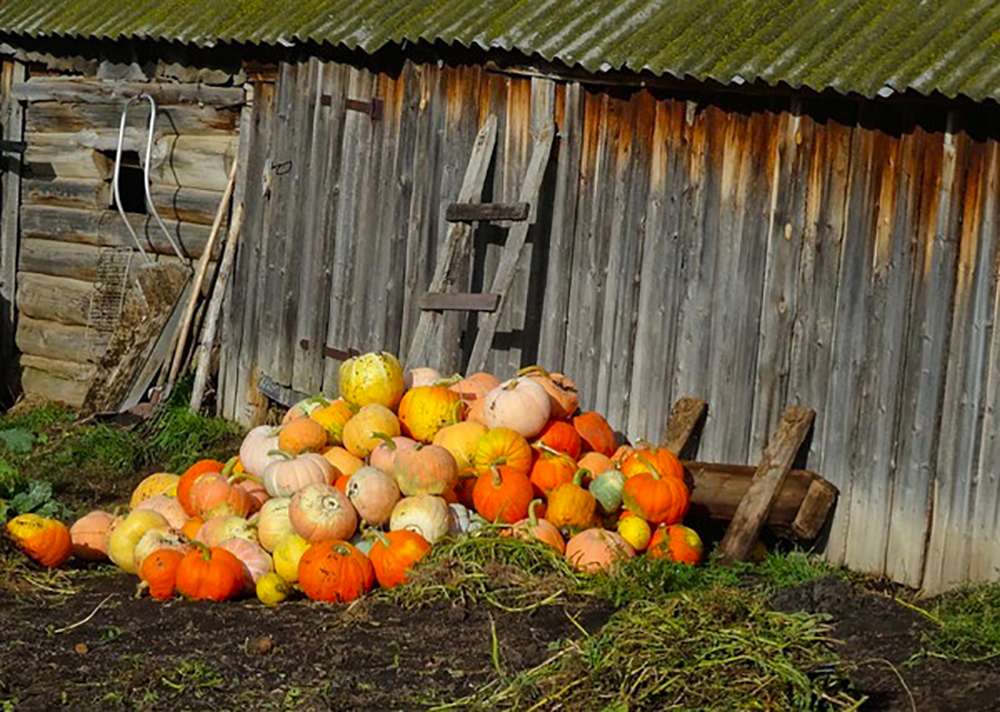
point(78, 193)
point(815, 510)
point(12, 119)
point(719, 488)
point(94, 91)
point(459, 302)
point(201, 162)
point(56, 117)
point(59, 299)
point(59, 341)
point(767, 482)
point(687, 415)
point(486, 212)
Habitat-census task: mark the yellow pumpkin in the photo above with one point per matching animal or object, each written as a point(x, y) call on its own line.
point(367, 429)
point(286, 557)
point(121, 543)
point(570, 505)
point(424, 410)
point(272, 589)
point(373, 378)
point(461, 440)
point(343, 462)
point(635, 530)
point(333, 418)
point(156, 484)
point(43, 540)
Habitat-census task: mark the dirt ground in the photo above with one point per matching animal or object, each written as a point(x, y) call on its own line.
point(881, 638)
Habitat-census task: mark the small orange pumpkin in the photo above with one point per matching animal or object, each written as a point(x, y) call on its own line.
point(302, 435)
point(561, 390)
point(211, 574)
point(535, 528)
point(572, 506)
point(504, 449)
point(213, 494)
point(335, 571)
point(658, 500)
point(425, 469)
point(502, 497)
point(595, 432)
point(676, 543)
point(657, 460)
point(595, 462)
point(191, 528)
point(190, 476)
point(333, 418)
point(343, 461)
point(561, 437)
point(550, 470)
point(393, 554)
point(597, 549)
point(45, 541)
point(461, 440)
point(159, 571)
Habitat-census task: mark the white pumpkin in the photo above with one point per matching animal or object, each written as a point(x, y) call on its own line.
point(425, 514)
point(287, 475)
point(374, 494)
point(256, 449)
point(273, 523)
point(463, 521)
point(520, 404)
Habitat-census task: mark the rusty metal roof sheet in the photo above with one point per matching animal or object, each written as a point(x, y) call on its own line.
point(869, 47)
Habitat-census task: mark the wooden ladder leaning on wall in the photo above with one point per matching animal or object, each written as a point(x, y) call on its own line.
point(456, 249)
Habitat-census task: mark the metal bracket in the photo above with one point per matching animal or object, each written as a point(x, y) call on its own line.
point(332, 352)
point(373, 107)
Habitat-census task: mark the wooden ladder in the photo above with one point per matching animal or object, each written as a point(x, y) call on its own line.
point(456, 249)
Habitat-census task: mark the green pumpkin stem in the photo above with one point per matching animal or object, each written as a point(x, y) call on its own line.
point(386, 440)
point(580, 474)
point(448, 380)
point(534, 370)
point(227, 470)
point(497, 478)
point(280, 453)
point(378, 535)
point(532, 517)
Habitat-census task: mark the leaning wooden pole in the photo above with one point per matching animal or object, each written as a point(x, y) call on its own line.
point(199, 279)
point(203, 355)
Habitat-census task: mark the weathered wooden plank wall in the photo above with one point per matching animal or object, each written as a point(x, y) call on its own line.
point(754, 252)
point(65, 219)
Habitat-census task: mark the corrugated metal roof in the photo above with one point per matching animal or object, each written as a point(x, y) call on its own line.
point(862, 46)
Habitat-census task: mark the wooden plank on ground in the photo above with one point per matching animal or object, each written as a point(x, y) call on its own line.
point(455, 246)
point(814, 510)
point(504, 276)
point(687, 415)
point(771, 473)
point(487, 212)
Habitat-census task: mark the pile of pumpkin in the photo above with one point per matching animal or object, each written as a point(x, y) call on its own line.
point(356, 490)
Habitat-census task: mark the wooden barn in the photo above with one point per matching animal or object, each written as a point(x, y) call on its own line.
point(756, 203)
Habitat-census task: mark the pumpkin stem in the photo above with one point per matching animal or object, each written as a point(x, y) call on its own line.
point(230, 464)
point(280, 453)
point(205, 552)
point(458, 411)
point(532, 517)
point(654, 473)
point(534, 370)
point(377, 534)
point(448, 380)
point(579, 475)
point(497, 479)
point(386, 440)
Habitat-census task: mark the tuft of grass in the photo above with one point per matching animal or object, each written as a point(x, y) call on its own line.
point(718, 648)
point(180, 437)
point(192, 677)
point(792, 568)
point(968, 624)
point(37, 418)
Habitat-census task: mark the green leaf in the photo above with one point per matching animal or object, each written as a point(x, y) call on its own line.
point(10, 480)
point(38, 494)
point(17, 440)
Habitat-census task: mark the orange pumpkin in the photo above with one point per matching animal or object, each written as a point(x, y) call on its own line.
point(213, 495)
point(505, 450)
point(560, 388)
point(597, 549)
point(44, 541)
point(211, 574)
point(191, 527)
point(550, 470)
point(676, 543)
point(502, 497)
point(657, 460)
point(595, 432)
point(658, 500)
point(461, 440)
point(473, 390)
point(535, 528)
point(333, 418)
point(191, 476)
point(90, 534)
point(302, 435)
point(159, 571)
point(335, 571)
point(342, 483)
point(425, 469)
point(572, 506)
point(621, 453)
point(595, 462)
point(343, 461)
point(561, 437)
point(393, 554)
point(424, 410)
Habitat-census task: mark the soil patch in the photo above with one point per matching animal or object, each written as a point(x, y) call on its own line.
point(882, 641)
point(138, 654)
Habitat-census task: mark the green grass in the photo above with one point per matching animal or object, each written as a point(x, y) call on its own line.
point(714, 649)
point(967, 624)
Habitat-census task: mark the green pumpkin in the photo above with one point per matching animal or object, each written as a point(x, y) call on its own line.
point(607, 490)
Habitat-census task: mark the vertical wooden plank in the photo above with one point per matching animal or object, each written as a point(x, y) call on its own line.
point(12, 115)
point(948, 556)
point(890, 276)
point(323, 148)
point(555, 313)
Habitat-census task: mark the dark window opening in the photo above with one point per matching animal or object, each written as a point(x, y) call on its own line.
point(131, 183)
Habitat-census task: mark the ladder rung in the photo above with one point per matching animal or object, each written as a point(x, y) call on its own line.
point(440, 301)
point(473, 212)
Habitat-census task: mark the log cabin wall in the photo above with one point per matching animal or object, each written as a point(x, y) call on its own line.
point(752, 251)
point(71, 235)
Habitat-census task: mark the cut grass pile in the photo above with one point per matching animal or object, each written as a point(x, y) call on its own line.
point(967, 624)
